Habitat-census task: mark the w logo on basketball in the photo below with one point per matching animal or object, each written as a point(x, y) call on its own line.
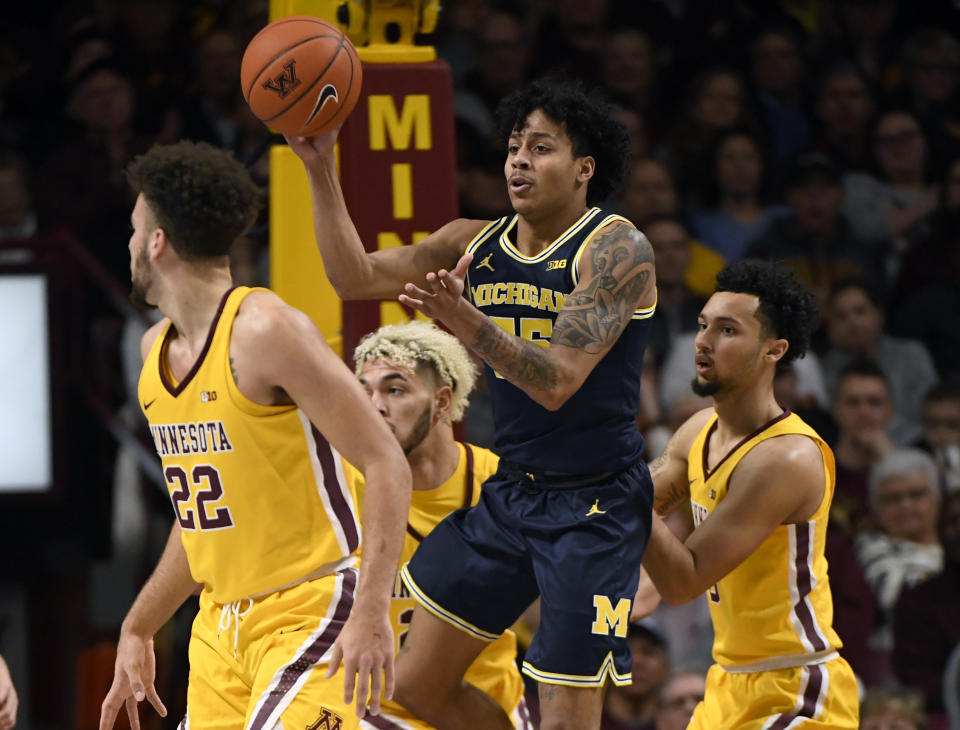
point(327, 721)
point(285, 82)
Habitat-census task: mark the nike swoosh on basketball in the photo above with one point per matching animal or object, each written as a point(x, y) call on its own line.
point(329, 91)
point(147, 405)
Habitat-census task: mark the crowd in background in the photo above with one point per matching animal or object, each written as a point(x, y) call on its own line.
point(822, 133)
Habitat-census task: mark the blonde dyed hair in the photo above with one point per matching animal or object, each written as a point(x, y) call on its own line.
point(417, 343)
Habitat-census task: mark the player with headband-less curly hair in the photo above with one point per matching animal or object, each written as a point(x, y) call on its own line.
point(765, 480)
point(558, 303)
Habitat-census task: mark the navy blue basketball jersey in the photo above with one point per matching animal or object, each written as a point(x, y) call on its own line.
point(595, 430)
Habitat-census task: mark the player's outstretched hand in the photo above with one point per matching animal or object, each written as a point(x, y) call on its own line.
point(443, 293)
point(365, 646)
point(312, 149)
point(8, 698)
point(133, 677)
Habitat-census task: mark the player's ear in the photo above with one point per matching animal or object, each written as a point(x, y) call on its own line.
point(443, 401)
point(587, 166)
point(778, 348)
point(157, 243)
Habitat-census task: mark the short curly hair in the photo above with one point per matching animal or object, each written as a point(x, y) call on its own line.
point(586, 117)
point(786, 310)
point(419, 344)
point(201, 196)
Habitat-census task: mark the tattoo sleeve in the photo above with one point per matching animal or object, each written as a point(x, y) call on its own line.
point(515, 359)
point(618, 273)
point(667, 497)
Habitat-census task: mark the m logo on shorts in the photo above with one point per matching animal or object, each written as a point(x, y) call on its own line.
point(327, 721)
point(609, 617)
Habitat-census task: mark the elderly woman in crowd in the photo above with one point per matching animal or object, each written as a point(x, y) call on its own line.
point(905, 548)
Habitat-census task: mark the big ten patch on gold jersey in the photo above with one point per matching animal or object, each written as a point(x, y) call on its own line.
point(495, 670)
point(774, 610)
point(260, 495)
point(595, 430)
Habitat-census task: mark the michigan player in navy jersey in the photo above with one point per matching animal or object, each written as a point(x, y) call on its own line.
point(248, 408)
point(759, 482)
point(560, 299)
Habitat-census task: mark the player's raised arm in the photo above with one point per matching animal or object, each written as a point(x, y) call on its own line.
point(355, 273)
point(280, 345)
point(617, 279)
point(780, 481)
point(167, 588)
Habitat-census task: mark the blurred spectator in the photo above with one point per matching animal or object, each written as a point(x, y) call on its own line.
point(457, 38)
point(812, 406)
point(777, 68)
point(18, 217)
point(892, 709)
point(862, 410)
point(649, 192)
point(814, 239)
point(931, 65)
point(866, 32)
point(714, 101)
point(82, 179)
point(677, 306)
point(891, 205)
point(925, 626)
point(570, 40)
point(735, 211)
point(844, 108)
point(503, 62)
point(210, 113)
point(941, 430)
point(630, 75)
point(855, 328)
point(680, 695)
point(927, 289)
point(633, 706)
point(904, 549)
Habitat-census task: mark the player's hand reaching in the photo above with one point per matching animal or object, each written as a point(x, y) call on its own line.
point(365, 646)
point(316, 148)
point(8, 698)
point(133, 677)
point(443, 296)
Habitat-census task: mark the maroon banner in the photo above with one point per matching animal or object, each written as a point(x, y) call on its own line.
point(398, 166)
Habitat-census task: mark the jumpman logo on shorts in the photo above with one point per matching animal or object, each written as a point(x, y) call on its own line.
point(486, 262)
point(595, 510)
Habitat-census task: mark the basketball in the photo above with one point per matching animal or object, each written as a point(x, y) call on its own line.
point(301, 75)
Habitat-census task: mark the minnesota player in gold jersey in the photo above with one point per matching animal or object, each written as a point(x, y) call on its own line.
point(248, 408)
point(759, 482)
point(420, 378)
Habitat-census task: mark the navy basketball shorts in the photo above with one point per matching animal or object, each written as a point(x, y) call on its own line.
point(577, 547)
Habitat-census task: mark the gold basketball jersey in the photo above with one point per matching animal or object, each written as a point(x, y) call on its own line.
point(774, 610)
point(259, 493)
point(494, 671)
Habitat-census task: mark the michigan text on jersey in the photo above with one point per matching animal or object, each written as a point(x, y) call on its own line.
point(514, 292)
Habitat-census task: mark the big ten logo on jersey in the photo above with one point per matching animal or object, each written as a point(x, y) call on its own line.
point(208, 396)
point(609, 617)
point(556, 264)
point(326, 720)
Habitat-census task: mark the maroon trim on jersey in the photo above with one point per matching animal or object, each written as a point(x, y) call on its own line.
point(468, 498)
point(312, 654)
point(468, 491)
point(381, 722)
point(334, 490)
point(811, 694)
point(805, 585)
point(524, 713)
point(176, 390)
point(707, 473)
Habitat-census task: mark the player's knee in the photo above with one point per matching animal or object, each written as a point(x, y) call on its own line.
point(415, 694)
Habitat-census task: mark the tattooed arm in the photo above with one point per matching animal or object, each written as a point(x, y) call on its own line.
point(617, 279)
point(671, 485)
